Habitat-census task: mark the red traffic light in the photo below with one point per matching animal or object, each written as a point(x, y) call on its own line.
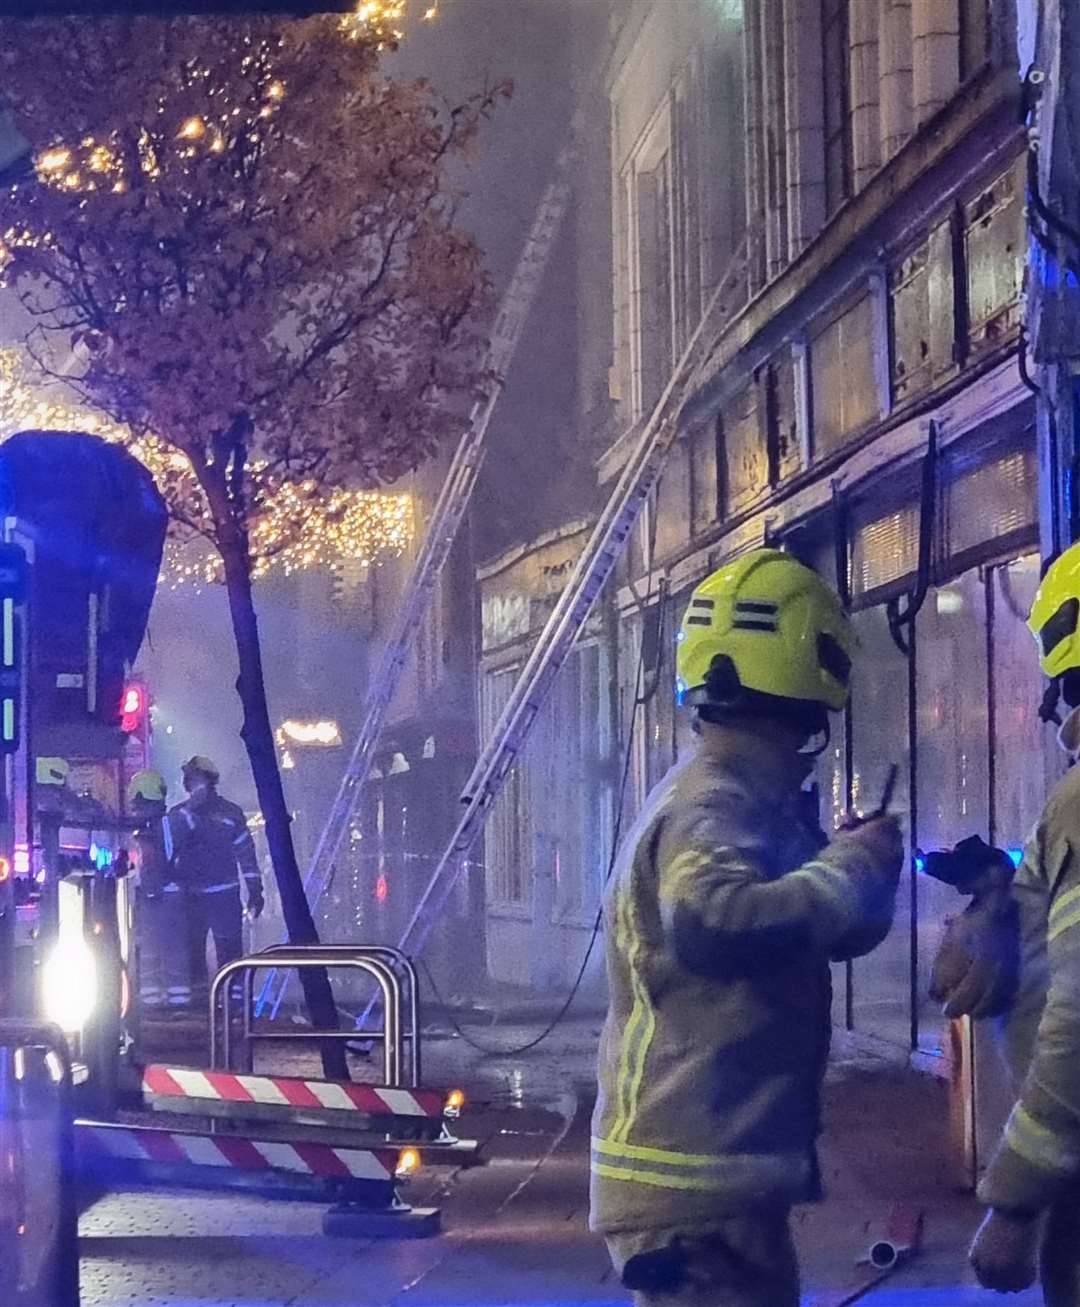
point(132, 709)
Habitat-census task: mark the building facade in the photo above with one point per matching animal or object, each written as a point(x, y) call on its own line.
point(841, 186)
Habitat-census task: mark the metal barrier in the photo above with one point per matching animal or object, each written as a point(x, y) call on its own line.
point(39, 1245)
point(381, 952)
point(307, 956)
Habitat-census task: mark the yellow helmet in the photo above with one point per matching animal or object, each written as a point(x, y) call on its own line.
point(149, 785)
point(1055, 615)
point(52, 771)
point(763, 628)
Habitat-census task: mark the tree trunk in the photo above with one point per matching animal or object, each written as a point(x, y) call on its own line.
point(258, 736)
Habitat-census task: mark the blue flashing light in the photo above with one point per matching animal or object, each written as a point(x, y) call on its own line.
point(1015, 856)
point(920, 862)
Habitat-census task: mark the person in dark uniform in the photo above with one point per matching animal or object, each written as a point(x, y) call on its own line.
point(213, 859)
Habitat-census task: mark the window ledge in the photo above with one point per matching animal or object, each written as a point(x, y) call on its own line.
point(502, 910)
point(925, 176)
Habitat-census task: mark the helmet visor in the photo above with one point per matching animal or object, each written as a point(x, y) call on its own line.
point(1060, 626)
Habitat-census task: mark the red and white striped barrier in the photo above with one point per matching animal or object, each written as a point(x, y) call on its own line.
point(145, 1144)
point(169, 1082)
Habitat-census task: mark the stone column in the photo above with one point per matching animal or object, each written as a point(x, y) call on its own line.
point(936, 55)
point(895, 58)
point(805, 123)
point(865, 89)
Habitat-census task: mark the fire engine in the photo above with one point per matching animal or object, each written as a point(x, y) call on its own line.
point(83, 529)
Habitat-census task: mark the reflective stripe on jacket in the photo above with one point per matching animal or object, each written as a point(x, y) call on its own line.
point(1039, 1156)
point(214, 845)
point(721, 917)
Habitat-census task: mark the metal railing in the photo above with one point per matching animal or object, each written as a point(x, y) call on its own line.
point(393, 957)
point(39, 1243)
point(301, 957)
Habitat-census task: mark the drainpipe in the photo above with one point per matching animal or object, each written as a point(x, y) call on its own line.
point(865, 117)
point(936, 55)
point(755, 178)
point(805, 123)
point(895, 55)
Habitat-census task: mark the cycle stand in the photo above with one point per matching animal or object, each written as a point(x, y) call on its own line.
point(347, 1144)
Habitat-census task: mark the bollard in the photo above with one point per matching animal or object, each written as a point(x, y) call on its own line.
point(39, 1249)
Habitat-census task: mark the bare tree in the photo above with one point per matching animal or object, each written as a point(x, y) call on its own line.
point(245, 233)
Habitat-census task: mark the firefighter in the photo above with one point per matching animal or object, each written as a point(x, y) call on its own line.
point(1032, 1186)
point(725, 907)
point(164, 970)
point(215, 853)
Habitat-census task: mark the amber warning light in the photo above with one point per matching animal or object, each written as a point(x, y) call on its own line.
point(408, 1163)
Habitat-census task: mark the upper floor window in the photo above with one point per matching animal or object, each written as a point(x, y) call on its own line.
point(652, 311)
point(837, 108)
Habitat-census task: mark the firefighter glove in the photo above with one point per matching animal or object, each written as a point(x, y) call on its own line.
point(1004, 1252)
point(882, 844)
point(976, 969)
point(255, 903)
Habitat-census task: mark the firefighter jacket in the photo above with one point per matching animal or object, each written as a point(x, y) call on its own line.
point(723, 912)
point(213, 845)
point(1039, 1156)
point(156, 845)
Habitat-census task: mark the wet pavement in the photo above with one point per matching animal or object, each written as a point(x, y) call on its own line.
point(514, 1230)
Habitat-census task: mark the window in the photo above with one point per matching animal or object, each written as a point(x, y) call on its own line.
point(843, 377)
point(704, 479)
point(554, 819)
point(839, 162)
point(677, 222)
point(881, 982)
point(953, 758)
point(631, 715)
point(508, 838)
point(673, 503)
point(746, 462)
point(654, 334)
point(573, 801)
point(922, 291)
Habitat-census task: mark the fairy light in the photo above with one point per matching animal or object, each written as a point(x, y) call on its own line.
point(294, 527)
point(53, 161)
point(379, 22)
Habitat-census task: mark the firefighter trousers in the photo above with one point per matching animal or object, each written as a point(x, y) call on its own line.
point(1060, 1255)
point(164, 967)
point(218, 914)
point(741, 1261)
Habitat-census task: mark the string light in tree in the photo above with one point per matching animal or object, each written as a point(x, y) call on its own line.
point(294, 526)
